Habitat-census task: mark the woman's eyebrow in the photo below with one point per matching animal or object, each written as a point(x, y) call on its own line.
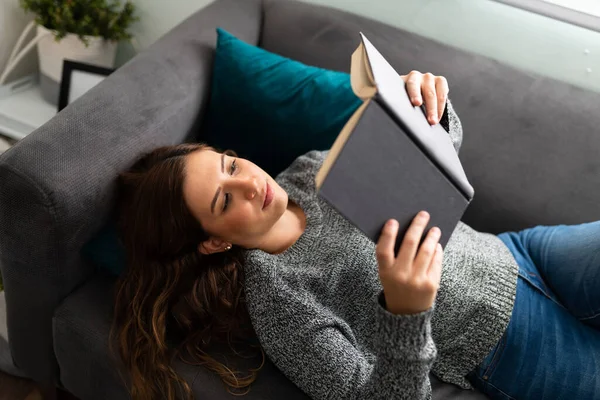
point(214, 200)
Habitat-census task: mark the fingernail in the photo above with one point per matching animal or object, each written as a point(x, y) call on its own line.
point(415, 99)
point(436, 231)
point(392, 223)
point(423, 214)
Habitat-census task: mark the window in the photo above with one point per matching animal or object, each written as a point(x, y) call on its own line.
point(584, 13)
point(591, 7)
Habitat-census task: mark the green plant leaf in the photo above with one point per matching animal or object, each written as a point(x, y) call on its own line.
point(106, 18)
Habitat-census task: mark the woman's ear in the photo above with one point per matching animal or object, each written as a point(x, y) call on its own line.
point(213, 245)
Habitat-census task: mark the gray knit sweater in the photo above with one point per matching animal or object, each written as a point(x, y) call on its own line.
point(318, 307)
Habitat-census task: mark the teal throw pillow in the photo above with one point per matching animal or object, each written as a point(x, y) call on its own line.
point(105, 251)
point(271, 109)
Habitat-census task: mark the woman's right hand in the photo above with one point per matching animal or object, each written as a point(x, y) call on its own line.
point(411, 279)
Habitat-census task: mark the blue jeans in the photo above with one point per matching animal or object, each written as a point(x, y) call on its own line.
point(551, 348)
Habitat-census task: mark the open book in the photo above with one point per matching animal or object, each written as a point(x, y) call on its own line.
point(388, 161)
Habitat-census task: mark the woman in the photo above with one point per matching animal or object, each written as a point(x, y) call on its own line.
point(217, 243)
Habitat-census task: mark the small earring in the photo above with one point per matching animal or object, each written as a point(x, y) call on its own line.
point(228, 247)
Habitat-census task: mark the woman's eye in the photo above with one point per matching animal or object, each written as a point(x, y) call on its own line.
point(233, 167)
point(226, 203)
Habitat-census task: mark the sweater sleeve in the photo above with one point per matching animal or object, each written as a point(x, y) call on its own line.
point(451, 123)
point(319, 355)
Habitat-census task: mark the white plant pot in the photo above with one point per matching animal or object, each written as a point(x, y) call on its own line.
point(51, 54)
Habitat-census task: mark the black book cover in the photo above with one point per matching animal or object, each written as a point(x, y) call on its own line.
point(388, 161)
point(381, 174)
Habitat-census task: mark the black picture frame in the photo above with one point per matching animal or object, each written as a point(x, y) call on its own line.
point(69, 67)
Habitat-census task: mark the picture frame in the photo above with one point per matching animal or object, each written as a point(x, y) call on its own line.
point(77, 79)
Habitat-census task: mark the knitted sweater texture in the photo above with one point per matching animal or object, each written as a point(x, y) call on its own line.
point(319, 313)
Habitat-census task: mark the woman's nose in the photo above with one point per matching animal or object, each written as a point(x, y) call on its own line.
point(250, 186)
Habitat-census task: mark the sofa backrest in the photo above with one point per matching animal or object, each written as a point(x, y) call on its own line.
point(530, 143)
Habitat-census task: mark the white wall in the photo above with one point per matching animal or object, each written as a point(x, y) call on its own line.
point(158, 16)
point(12, 22)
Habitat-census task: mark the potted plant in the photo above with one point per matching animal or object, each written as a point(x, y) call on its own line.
point(81, 30)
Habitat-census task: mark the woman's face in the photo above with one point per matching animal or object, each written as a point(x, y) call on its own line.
point(234, 200)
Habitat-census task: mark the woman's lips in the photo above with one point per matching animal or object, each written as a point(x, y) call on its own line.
point(268, 196)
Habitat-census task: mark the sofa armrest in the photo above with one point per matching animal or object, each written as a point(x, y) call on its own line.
point(57, 185)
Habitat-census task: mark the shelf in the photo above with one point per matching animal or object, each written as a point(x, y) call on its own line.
point(23, 112)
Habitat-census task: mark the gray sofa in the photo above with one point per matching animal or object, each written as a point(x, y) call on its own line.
point(530, 150)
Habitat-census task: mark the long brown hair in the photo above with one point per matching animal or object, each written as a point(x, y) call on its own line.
point(169, 283)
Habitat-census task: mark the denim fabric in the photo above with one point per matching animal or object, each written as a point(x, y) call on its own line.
point(551, 348)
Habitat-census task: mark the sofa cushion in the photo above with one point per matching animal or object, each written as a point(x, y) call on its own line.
point(81, 328)
point(271, 109)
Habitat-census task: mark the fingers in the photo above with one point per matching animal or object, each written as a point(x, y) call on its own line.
point(428, 89)
point(435, 268)
point(427, 252)
point(412, 239)
point(385, 245)
point(430, 97)
point(413, 86)
point(441, 89)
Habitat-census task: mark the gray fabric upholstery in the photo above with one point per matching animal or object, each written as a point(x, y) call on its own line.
point(81, 331)
point(529, 150)
point(81, 327)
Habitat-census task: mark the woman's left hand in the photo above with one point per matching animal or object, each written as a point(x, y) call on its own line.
point(434, 89)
